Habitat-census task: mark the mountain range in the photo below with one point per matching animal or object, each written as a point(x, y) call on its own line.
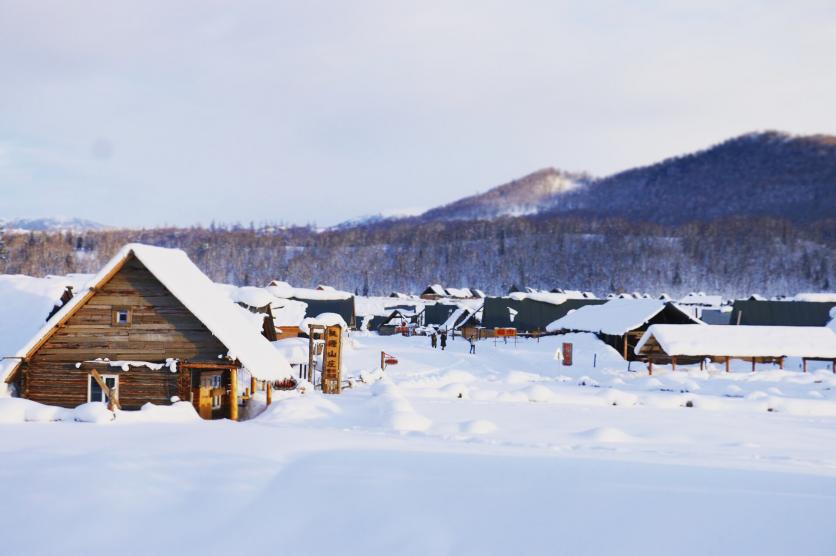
point(757, 174)
point(753, 214)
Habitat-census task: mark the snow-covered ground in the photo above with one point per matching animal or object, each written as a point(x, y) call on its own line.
point(449, 453)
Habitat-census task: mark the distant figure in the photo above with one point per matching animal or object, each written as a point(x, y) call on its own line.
point(472, 341)
point(443, 340)
point(434, 340)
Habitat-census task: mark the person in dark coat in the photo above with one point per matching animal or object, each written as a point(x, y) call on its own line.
point(443, 340)
point(472, 341)
point(434, 340)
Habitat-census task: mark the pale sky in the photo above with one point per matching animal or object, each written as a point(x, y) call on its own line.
point(145, 113)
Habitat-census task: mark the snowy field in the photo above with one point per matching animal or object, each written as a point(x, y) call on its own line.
point(507, 451)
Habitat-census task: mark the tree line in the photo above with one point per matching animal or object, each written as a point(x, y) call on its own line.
point(732, 256)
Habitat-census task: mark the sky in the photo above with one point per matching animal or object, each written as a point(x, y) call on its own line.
point(186, 112)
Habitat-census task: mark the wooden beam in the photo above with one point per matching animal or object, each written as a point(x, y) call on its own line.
point(112, 397)
point(233, 394)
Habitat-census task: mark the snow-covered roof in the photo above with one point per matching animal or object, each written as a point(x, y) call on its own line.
point(701, 299)
point(295, 350)
point(616, 316)
point(461, 293)
point(202, 297)
point(543, 297)
point(286, 291)
point(436, 289)
point(740, 341)
point(325, 319)
point(816, 296)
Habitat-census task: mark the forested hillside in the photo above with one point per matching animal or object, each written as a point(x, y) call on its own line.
point(758, 174)
point(734, 256)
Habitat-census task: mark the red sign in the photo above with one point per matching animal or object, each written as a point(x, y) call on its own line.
point(567, 354)
point(505, 332)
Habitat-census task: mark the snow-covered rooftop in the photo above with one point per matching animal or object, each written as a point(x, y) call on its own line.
point(616, 316)
point(701, 299)
point(286, 291)
point(741, 341)
point(174, 269)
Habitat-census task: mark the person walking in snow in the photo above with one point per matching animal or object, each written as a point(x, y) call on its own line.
point(434, 340)
point(443, 340)
point(472, 345)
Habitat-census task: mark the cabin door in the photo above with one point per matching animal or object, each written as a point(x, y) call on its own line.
point(209, 393)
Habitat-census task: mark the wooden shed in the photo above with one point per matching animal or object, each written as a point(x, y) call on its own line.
point(149, 326)
point(663, 343)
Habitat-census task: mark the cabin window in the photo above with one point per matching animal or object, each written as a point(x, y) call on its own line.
point(95, 392)
point(121, 316)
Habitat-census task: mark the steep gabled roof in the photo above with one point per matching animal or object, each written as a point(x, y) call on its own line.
point(174, 269)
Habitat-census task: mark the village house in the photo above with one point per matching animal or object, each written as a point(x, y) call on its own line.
point(621, 323)
point(149, 327)
point(318, 301)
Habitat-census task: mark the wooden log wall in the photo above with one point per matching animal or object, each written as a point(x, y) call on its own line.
point(160, 328)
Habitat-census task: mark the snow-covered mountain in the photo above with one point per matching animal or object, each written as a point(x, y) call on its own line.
point(757, 174)
point(58, 224)
point(538, 192)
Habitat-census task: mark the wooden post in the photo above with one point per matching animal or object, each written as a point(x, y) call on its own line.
point(233, 394)
point(673, 363)
point(702, 364)
point(781, 363)
point(834, 366)
point(253, 384)
point(804, 361)
point(625, 347)
point(382, 360)
point(753, 364)
point(650, 366)
point(269, 393)
point(728, 364)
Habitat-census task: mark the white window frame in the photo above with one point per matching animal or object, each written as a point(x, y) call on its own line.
point(90, 380)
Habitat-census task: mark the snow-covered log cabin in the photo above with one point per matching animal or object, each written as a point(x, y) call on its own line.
point(149, 327)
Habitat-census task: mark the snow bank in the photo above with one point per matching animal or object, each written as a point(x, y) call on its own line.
point(395, 410)
point(294, 407)
point(19, 410)
point(605, 434)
